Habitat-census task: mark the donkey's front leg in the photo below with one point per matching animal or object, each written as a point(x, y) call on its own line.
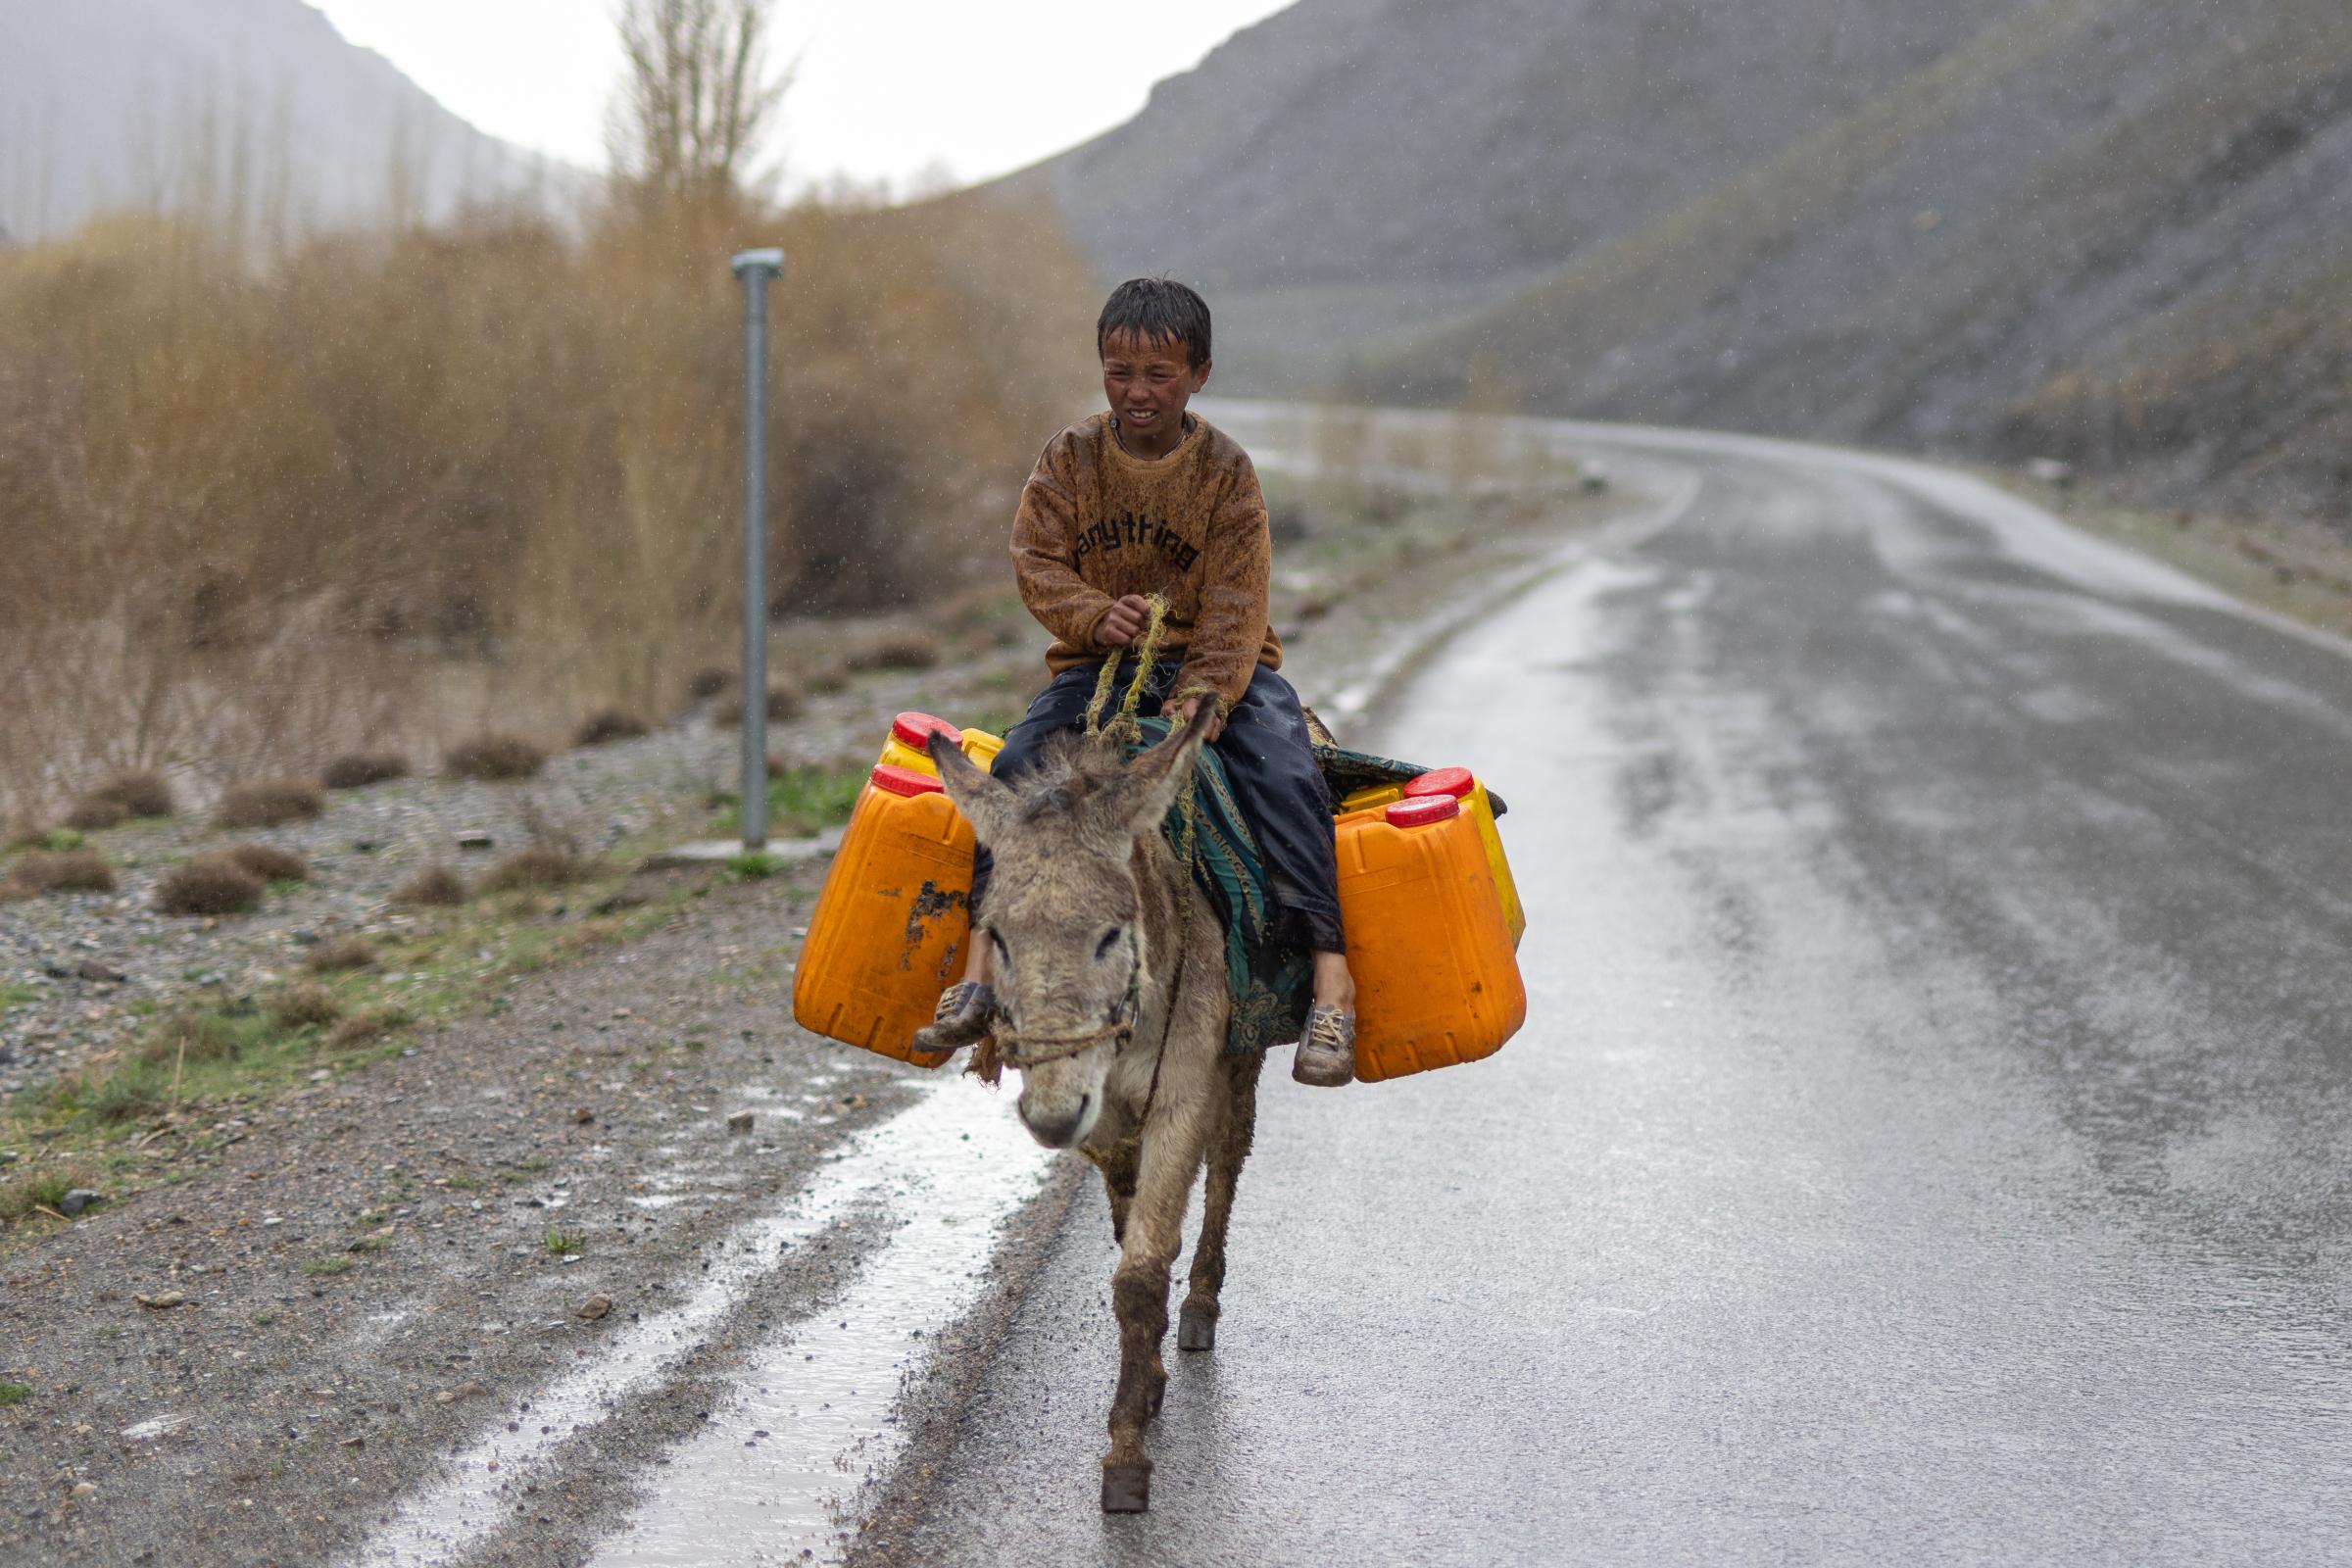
point(1139, 1298)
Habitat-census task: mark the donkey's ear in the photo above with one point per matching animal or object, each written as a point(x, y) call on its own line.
point(1155, 779)
point(985, 803)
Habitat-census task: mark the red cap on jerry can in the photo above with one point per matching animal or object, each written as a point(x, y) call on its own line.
point(903, 780)
point(1423, 810)
point(917, 730)
point(1453, 781)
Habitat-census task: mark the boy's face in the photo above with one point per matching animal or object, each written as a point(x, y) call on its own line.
point(1148, 384)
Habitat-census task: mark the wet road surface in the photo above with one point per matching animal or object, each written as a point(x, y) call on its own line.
point(1931, 1136)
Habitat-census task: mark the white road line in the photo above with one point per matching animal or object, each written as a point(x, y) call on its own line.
point(952, 1166)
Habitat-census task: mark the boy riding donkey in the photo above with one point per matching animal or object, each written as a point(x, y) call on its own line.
point(1150, 500)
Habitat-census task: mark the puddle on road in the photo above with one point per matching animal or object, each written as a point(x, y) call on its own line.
point(952, 1167)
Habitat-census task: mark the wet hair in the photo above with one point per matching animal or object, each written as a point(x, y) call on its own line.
point(1157, 309)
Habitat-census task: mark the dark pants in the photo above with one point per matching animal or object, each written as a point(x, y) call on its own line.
point(1272, 769)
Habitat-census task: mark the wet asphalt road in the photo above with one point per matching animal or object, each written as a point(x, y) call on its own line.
point(1932, 1138)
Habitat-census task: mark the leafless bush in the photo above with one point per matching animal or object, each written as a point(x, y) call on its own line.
point(141, 792)
point(367, 1024)
point(906, 650)
point(436, 886)
point(708, 682)
point(190, 1036)
point(69, 871)
point(783, 703)
point(358, 769)
point(295, 504)
point(268, 803)
point(493, 757)
point(542, 866)
point(305, 1006)
point(611, 724)
point(270, 863)
point(339, 954)
point(93, 812)
point(209, 884)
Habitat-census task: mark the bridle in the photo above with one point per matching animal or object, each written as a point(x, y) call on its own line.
point(1018, 1050)
point(1035, 1051)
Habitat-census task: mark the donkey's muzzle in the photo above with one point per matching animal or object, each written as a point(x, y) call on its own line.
point(1055, 1129)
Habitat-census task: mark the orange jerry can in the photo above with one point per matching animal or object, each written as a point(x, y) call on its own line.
point(889, 929)
point(1435, 979)
point(1459, 783)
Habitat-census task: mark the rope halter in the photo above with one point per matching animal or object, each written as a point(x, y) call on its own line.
point(1026, 1051)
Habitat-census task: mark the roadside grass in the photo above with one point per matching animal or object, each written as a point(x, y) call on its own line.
point(17, 993)
point(23, 1198)
point(2300, 571)
point(800, 801)
point(143, 1111)
point(14, 1393)
point(561, 1241)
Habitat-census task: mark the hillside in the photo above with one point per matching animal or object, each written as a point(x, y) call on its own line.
point(2112, 230)
point(111, 103)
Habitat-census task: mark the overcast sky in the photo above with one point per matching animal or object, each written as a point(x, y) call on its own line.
point(886, 89)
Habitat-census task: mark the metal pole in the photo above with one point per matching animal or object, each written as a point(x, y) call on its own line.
point(756, 269)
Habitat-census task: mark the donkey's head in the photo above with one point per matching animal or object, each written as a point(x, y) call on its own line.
point(1065, 919)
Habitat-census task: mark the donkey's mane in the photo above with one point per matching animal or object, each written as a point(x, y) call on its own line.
point(1072, 769)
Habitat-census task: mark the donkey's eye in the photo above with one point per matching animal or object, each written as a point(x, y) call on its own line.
point(1111, 939)
point(997, 942)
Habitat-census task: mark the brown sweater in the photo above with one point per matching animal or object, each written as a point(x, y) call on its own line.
point(1096, 523)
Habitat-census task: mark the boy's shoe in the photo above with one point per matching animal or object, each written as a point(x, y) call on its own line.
point(966, 1011)
point(1326, 1054)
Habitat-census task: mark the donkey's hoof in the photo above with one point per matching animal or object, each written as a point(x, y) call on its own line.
point(1127, 1487)
point(1196, 1327)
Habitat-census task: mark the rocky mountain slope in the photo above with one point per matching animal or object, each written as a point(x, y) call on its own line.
point(2109, 229)
point(221, 103)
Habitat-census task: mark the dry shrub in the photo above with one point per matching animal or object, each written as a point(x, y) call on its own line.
point(339, 954)
point(270, 863)
point(72, 872)
point(12, 891)
point(142, 792)
point(436, 886)
point(92, 812)
point(611, 724)
point(289, 499)
point(209, 884)
point(783, 703)
point(359, 770)
point(305, 1006)
point(268, 803)
point(367, 1024)
point(708, 682)
point(826, 680)
point(542, 866)
point(906, 651)
point(493, 757)
point(202, 1035)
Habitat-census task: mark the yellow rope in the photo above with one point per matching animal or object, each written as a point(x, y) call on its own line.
point(1125, 723)
point(1147, 653)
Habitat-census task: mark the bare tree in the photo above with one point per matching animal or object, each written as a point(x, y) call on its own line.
point(699, 98)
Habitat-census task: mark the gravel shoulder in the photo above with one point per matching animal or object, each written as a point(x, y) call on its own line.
point(248, 1353)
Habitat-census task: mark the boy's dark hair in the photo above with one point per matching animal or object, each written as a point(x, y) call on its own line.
point(1156, 310)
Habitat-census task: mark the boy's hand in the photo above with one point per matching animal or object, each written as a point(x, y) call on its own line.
point(1122, 622)
point(1192, 705)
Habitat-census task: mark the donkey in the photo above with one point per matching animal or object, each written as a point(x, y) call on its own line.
point(1113, 1001)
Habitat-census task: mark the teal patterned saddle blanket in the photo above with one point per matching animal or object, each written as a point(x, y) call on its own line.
point(1269, 972)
